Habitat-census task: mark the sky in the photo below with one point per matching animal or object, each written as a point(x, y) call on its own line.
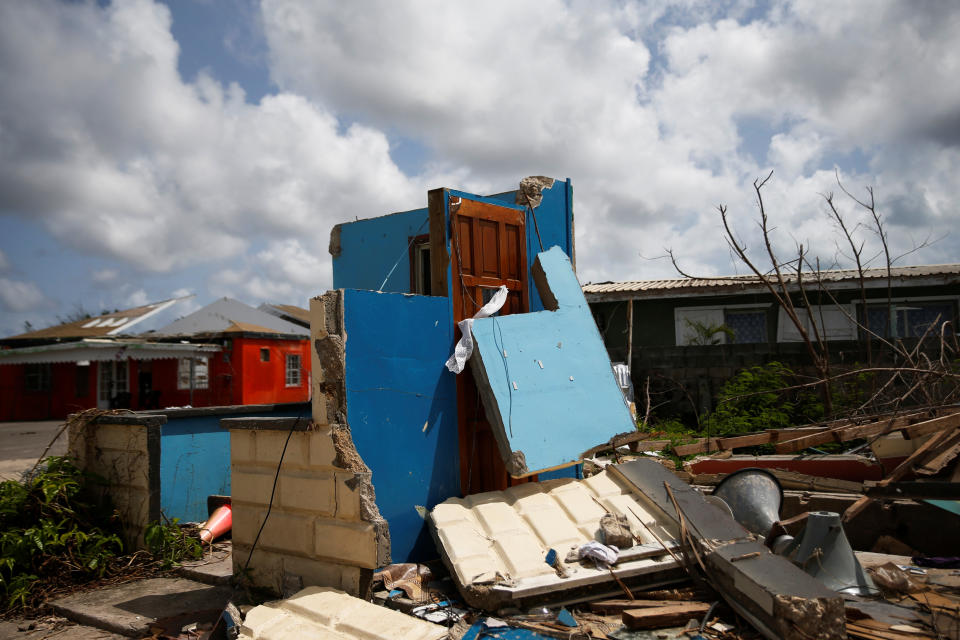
point(156, 149)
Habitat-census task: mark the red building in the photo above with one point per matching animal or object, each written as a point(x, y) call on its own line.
point(223, 354)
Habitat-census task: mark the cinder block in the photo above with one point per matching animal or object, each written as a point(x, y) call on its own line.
point(312, 491)
point(313, 573)
point(269, 446)
point(347, 542)
point(320, 448)
point(348, 499)
point(121, 436)
point(243, 446)
point(124, 468)
point(252, 484)
point(265, 570)
point(285, 532)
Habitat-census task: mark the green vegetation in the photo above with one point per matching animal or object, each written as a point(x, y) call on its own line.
point(53, 526)
point(57, 531)
point(754, 400)
point(170, 544)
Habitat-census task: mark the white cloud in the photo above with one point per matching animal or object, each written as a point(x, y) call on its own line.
point(653, 142)
point(284, 272)
point(19, 296)
point(105, 144)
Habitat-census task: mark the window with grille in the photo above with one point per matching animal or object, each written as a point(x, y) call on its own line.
point(748, 326)
point(37, 377)
point(293, 370)
point(908, 319)
point(197, 369)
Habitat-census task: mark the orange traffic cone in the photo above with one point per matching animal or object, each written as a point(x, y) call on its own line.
point(218, 524)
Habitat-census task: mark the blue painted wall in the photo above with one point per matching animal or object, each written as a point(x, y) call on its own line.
point(195, 457)
point(401, 407)
point(370, 248)
point(550, 375)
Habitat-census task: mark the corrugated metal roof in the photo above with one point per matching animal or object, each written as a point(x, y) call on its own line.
point(727, 284)
point(101, 349)
point(501, 538)
point(228, 316)
point(108, 324)
point(295, 314)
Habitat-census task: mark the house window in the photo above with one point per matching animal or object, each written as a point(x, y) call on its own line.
point(420, 266)
point(909, 319)
point(83, 379)
point(293, 370)
point(37, 377)
point(264, 354)
point(113, 379)
point(195, 369)
point(748, 326)
point(833, 322)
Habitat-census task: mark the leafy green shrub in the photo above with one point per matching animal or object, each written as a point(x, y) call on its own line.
point(170, 544)
point(753, 400)
point(55, 525)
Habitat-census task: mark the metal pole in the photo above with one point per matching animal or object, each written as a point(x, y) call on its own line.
point(630, 336)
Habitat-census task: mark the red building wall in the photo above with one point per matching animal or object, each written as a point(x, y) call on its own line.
point(237, 375)
point(66, 382)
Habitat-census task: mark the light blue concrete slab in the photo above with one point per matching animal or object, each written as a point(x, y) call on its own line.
point(545, 377)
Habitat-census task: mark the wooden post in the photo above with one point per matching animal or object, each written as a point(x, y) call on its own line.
point(630, 336)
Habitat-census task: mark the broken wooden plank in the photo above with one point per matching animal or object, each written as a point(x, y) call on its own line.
point(649, 445)
point(618, 441)
point(672, 615)
point(700, 446)
point(791, 480)
point(618, 606)
point(846, 433)
point(945, 454)
point(933, 444)
point(749, 440)
point(931, 490)
point(918, 429)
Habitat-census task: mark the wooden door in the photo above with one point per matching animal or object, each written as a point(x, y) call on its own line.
point(488, 249)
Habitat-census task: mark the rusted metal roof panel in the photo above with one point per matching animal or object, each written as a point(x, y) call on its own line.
point(726, 284)
point(108, 324)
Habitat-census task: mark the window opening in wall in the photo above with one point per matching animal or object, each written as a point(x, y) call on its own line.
point(748, 326)
point(37, 377)
point(420, 266)
point(82, 381)
point(264, 354)
point(908, 319)
point(293, 370)
point(113, 380)
point(195, 368)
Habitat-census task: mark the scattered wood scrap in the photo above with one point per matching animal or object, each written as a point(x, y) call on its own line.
point(676, 614)
point(791, 480)
point(932, 451)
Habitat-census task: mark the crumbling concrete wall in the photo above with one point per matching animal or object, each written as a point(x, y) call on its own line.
point(324, 528)
point(125, 451)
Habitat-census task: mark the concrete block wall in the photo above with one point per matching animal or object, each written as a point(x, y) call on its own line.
point(324, 528)
point(125, 451)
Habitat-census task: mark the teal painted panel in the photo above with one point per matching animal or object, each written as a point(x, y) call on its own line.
point(377, 249)
point(545, 377)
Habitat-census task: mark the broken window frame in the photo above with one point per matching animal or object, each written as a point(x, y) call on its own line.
point(420, 275)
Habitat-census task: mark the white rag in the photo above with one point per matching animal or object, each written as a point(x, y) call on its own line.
point(464, 348)
point(599, 553)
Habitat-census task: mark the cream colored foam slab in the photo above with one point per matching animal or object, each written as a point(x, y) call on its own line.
point(321, 612)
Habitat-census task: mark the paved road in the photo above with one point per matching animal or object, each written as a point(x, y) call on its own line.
point(21, 443)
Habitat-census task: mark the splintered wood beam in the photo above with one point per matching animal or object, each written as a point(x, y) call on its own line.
point(918, 429)
point(618, 606)
point(666, 616)
point(749, 440)
point(921, 454)
point(847, 433)
point(701, 446)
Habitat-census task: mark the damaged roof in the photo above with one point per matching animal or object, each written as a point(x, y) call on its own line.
point(229, 316)
point(914, 276)
point(105, 325)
